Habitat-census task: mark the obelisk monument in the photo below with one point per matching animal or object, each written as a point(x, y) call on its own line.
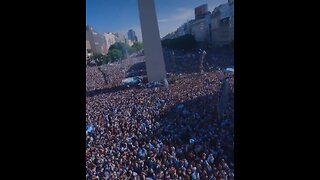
point(155, 65)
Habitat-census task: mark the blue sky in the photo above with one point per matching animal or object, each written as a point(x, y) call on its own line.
point(122, 15)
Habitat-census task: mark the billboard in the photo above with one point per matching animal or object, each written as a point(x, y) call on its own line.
point(201, 11)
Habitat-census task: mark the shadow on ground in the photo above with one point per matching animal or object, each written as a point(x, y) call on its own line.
point(194, 124)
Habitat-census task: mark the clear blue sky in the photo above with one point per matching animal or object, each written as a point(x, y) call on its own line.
point(122, 15)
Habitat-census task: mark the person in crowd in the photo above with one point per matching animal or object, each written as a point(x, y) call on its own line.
point(157, 132)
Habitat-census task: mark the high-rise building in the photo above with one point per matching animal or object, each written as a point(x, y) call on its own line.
point(88, 49)
point(120, 37)
point(100, 43)
point(222, 24)
point(110, 39)
point(231, 3)
point(90, 39)
point(216, 28)
point(132, 36)
point(201, 11)
point(96, 41)
point(198, 29)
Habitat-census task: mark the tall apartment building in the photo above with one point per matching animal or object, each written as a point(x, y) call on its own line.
point(201, 11)
point(96, 41)
point(201, 25)
point(222, 24)
point(110, 39)
point(120, 37)
point(216, 28)
point(90, 39)
point(132, 36)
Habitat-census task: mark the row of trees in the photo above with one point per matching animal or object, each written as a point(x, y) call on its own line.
point(116, 52)
point(188, 42)
point(183, 42)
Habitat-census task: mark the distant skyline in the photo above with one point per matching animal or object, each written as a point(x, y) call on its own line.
point(122, 15)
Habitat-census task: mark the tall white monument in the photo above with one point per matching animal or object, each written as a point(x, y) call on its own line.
point(156, 70)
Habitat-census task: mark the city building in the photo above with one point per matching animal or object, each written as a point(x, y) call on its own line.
point(216, 28)
point(110, 39)
point(96, 41)
point(222, 24)
point(169, 36)
point(132, 36)
point(100, 43)
point(198, 30)
point(129, 42)
point(201, 26)
point(183, 29)
point(201, 11)
point(90, 39)
point(231, 3)
point(88, 50)
point(120, 37)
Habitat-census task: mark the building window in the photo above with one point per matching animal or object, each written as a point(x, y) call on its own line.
point(225, 21)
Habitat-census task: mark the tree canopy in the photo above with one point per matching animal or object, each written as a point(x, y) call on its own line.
point(116, 52)
point(183, 42)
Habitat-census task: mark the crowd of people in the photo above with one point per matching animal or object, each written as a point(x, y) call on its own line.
point(157, 132)
point(114, 73)
point(182, 61)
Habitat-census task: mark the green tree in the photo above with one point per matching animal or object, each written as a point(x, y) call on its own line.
point(137, 46)
point(119, 51)
point(183, 42)
point(115, 54)
point(122, 47)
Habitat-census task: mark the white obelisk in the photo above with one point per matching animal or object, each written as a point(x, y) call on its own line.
point(155, 65)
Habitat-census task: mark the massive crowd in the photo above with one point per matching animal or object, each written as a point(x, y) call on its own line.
point(114, 73)
point(156, 132)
